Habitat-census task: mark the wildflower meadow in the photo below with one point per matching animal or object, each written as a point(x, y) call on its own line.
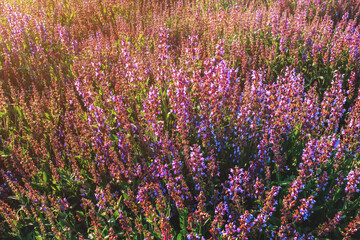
point(189, 119)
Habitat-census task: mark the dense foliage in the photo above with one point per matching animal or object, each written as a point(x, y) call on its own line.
point(207, 119)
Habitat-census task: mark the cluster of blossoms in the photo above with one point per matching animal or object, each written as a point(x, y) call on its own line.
point(241, 121)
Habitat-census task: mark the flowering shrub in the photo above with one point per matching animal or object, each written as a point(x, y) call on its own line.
point(184, 119)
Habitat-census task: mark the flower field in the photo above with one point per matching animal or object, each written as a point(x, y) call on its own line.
point(189, 119)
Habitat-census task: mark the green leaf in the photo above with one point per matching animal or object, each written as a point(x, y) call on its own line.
point(45, 178)
point(14, 197)
point(183, 218)
point(179, 236)
point(80, 213)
